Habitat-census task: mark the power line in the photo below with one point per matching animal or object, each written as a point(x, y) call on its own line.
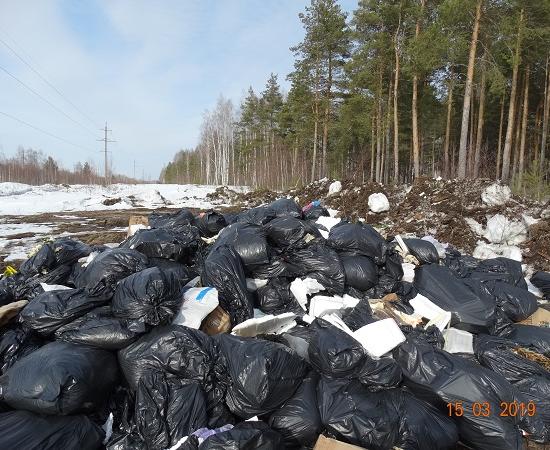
point(47, 82)
point(45, 132)
point(106, 140)
point(45, 100)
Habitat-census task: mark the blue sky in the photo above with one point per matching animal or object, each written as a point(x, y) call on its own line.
point(148, 68)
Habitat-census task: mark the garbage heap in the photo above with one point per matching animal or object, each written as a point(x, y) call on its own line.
point(266, 329)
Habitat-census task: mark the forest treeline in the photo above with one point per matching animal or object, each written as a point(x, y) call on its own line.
point(33, 167)
point(396, 90)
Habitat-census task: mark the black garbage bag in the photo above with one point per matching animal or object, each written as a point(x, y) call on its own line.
point(528, 336)
point(101, 276)
point(275, 298)
point(322, 263)
point(314, 212)
point(359, 316)
point(6, 290)
point(276, 267)
point(461, 265)
point(471, 305)
point(126, 441)
point(98, 328)
point(42, 261)
point(151, 297)
point(298, 420)
point(68, 250)
point(23, 430)
point(500, 269)
point(247, 240)
point(263, 376)
point(60, 378)
point(542, 280)
point(380, 374)
point(180, 271)
point(442, 378)
point(288, 232)
point(167, 409)
point(176, 222)
point(353, 414)
point(16, 343)
point(358, 239)
point(224, 271)
point(259, 215)
point(361, 272)
point(50, 310)
point(419, 335)
point(31, 287)
point(286, 207)
point(165, 243)
point(517, 303)
point(244, 436)
point(423, 250)
point(298, 339)
point(210, 223)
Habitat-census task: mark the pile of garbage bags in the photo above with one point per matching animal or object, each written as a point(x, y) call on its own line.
point(265, 329)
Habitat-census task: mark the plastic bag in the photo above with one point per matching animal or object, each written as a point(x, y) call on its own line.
point(223, 270)
point(60, 378)
point(314, 210)
point(257, 216)
point(359, 315)
point(101, 276)
point(165, 243)
point(248, 241)
point(542, 280)
point(422, 250)
point(298, 420)
point(62, 251)
point(50, 310)
point(358, 239)
point(244, 436)
point(263, 376)
point(290, 233)
point(361, 272)
point(151, 297)
point(42, 261)
point(210, 223)
point(167, 409)
point(518, 304)
point(537, 338)
point(286, 207)
point(470, 303)
point(98, 328)
point(32, 287)
point(500, 269)
point(23, 430)
point(176, 222)
point(276, 298)
point(15, 343)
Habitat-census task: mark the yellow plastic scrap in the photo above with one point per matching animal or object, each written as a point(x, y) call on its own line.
point(9, 271)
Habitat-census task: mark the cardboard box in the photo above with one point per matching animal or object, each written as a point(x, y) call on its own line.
point(541, 317)
point(137, 223)
point(325, 443)
point(218, 321)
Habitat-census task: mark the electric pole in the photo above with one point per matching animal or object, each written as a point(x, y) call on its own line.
point(105, 140)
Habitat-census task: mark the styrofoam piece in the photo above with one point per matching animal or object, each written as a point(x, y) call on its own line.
point(458, 341)
point(380, 337)
point(426, 308)
point(496, 194)
point(268, 324)
point(322, 304)
point(408, 272)
point(334, 187)
point(197, 304)
point(378, 202)
point(253, 284)
point(53, 287)
point(302, 288)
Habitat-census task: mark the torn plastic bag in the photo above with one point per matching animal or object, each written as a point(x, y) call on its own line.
point(321, 263)
point(471, 305)
point(361, 272)
point(275, 298)
point(98, 328)
point(441, 378)
point(210, 223)
point(247, 240)
point(151, 297)
point(290, 233)
point(422, 250)
point(358, 239)
point(224, 271)
point(165, 243)
point(244, 436)
point(298, 420)
point(176, 222)
point(60, 378)
point(32, 287)
point(500, 269)
point(286, 207)
point(15, 343)
point(256, 216)
point(263, 376)
point(517, 303)
point(359, 315)
point(529, 336)
point(50, 310)
point(542, 280)
point(167, 409)
point(101, 276)
point(23, 430)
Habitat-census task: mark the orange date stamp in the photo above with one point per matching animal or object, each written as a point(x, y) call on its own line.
point(484, 409)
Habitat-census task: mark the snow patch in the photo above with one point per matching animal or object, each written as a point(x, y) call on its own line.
point(496, 194)
point(378, 203)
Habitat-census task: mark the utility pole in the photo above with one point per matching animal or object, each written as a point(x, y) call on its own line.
point(106, 140)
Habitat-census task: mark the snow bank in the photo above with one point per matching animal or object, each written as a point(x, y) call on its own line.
point(378, 203)
point(496, 194)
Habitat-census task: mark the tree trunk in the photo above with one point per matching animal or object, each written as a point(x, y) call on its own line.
point(327, 118)
point(523, 127)
point(379, 129)
point(447, 169)
point(386, 165)
point(479, 135)
point(416, 143)
point(315, 129)
point(511, 109)
point(463, 149)
point(372, 146)
point(395, 105)
point(545, 119)
point(499, 150)
point(516, 141)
